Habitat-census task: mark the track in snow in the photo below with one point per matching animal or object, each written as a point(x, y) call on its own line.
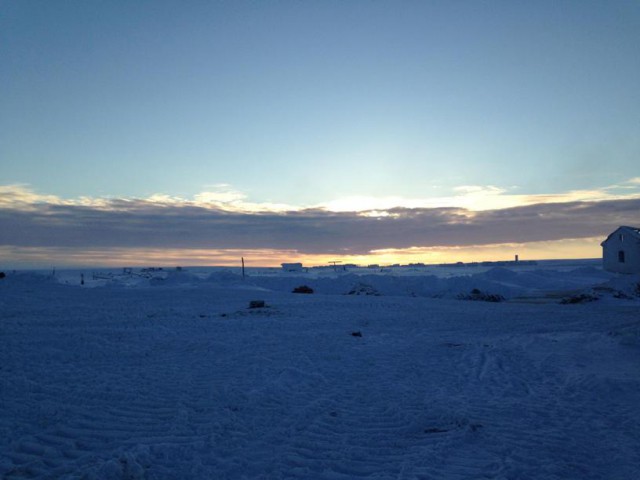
point(156, 384)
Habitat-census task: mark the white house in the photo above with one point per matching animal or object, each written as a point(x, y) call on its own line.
point(621, 250)
point(292, 267)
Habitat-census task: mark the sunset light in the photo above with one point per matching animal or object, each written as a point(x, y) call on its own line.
point(319, 239)
point(367, 133)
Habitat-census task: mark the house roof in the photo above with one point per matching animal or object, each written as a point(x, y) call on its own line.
point(633, 231)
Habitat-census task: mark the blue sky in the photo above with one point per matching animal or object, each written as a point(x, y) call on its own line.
point(335, 105)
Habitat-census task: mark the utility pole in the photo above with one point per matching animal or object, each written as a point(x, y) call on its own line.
point(334, 263)
point(242, 258)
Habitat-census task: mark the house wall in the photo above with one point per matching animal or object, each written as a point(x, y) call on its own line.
point(292, 267)
point(630, 245)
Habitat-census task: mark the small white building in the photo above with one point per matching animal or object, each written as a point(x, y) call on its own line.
point(292, 267)
point(621, 250)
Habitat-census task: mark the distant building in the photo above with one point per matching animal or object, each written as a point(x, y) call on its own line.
point(292, 267)
point(621, 250)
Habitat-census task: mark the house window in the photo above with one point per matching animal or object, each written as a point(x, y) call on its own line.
point(621, 236)
point(621, 256)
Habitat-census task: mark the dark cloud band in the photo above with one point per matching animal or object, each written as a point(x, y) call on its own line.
point(155, 225)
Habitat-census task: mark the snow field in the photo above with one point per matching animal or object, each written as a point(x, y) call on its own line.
point(155, 383)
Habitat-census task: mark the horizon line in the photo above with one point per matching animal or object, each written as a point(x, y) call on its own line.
point(328, 265)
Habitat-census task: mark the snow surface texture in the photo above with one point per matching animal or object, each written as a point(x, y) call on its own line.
point(179, 379)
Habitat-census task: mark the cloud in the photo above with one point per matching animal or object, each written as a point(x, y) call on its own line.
point(633, 181)
point(46, 257)
point(162, 222)
point(225, 198)
point(20, 197)
point(487, 197)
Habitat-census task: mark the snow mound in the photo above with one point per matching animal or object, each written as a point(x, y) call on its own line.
point(590, 271)
point(363, 289)
point(27, 279)
point(224, 277)
point(621, 287)
point(175, 278)
point(500, 274)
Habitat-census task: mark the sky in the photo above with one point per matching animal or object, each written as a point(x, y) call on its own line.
point(157, 132)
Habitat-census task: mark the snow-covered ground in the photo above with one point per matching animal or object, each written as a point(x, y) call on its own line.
point(169, 375)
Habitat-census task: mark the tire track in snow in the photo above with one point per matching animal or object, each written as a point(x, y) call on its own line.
point(530, 413)
point(367, 426)
point(127, 396)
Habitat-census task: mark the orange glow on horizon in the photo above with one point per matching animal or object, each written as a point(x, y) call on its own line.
point(32, 257)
